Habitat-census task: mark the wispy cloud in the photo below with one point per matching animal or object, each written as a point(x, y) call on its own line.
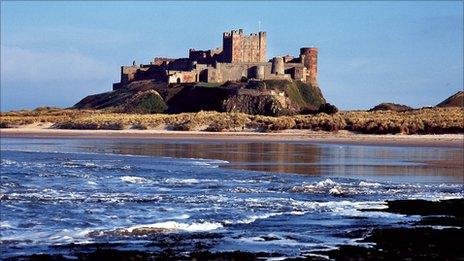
point(25, 65)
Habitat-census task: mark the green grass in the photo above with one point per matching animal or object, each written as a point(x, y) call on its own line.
point(310, 93)
point(152, 103)
point(208, 84)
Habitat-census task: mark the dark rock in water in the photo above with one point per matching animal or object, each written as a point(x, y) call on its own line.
point(414, 243)
point(406, 244)
point(112, 254)
point(455, 100)
point(391, 107)
point(273, 97)
point(328, 108)
point(451, 207)
point(134, 255)
point(442, 221)
point(236, 255)
point(40, 257)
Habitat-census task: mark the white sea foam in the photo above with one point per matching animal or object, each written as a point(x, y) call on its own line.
point(210, 161)
point(135, 180)
point(176, 226)
point(64, 236)
point(325, 183)
point(244, 190)
point(190, 181)
point(250, 181)
point(324, 186)
point(6, 162)
point(181, 181)
point(369, 184)
point(337, 190)
point(5, 224)
point(329, 186)
point(183, 216)
point(253, 218)
point(277, 241)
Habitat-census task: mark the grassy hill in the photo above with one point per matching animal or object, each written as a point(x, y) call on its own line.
point(254, 97)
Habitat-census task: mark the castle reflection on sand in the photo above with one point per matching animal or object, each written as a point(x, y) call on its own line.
point(414, 163)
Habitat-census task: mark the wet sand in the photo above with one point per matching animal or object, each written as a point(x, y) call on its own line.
point(342, 137)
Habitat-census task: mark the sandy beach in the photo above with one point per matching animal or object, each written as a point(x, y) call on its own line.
point(342, 137)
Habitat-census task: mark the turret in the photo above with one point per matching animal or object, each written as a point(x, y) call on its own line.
point(277, 65)
point(258, 72)
point(308, 57)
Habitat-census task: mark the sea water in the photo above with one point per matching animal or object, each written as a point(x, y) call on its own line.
point(293, 198)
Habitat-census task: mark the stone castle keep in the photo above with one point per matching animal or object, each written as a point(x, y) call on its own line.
point(241, 56)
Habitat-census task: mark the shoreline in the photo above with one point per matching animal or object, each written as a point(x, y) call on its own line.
point(341, 137)
point(435, 234)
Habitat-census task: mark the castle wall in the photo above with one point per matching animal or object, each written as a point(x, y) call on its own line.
point(182, 64)
point(161, 61)
point(182, 77)
point(128, 73)
point(233, 72)
point(296, 70)
point(205, 56)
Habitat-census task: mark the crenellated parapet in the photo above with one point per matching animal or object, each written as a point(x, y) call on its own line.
point(241, 56)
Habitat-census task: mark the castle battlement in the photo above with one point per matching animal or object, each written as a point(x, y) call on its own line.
point(241, 56)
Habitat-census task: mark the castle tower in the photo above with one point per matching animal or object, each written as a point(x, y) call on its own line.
point(277, 66)
point(308, 57)
point(238, 47)
point(258, 72)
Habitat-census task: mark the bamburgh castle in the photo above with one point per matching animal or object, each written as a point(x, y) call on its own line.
point(241, 57)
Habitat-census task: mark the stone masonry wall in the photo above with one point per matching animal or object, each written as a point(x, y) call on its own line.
point(241, 48)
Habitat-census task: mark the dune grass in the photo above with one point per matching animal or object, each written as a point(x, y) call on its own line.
point(422, 121)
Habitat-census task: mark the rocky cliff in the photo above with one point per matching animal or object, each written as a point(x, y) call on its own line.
point(255, 97)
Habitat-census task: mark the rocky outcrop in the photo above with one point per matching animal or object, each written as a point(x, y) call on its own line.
point(456, 100)
point(225, 99)
point(256, 104)
point(256, 97)
point(149, 101)
point(123, 98)
point(328, 108)
point(277, 97)
point(387, 106)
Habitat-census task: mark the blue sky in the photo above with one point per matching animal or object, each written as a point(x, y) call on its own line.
point(55, 53)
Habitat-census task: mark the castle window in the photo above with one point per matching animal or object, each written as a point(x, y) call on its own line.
point(178, 80)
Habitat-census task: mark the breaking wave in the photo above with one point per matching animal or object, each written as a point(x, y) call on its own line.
point(157, 228)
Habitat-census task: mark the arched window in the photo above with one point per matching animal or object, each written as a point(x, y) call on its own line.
point(178, 80)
